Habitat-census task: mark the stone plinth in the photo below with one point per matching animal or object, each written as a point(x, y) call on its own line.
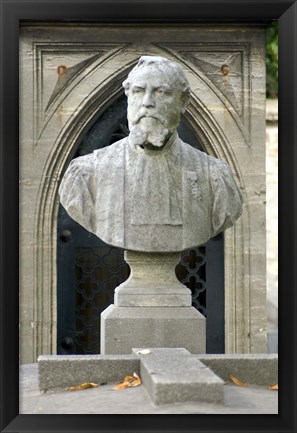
point(123, 328)
point(152, 282)
point(152, 309)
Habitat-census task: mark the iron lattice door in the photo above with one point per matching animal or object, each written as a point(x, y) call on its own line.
point(88, 270)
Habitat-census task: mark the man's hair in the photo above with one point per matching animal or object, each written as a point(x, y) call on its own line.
point(172, 69)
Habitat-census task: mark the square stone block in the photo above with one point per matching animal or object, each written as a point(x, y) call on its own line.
point(123, 328)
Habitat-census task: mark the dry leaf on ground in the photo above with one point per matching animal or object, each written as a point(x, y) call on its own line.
point(82, 386)
point(236, 381)
point(128, 382)
point(274, 387)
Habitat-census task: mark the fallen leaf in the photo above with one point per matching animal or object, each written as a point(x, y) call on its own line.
point(274, 387)
point(236, 381)
point(82, 386)
point(143, 352)
point(136, 381)
point(128, 382)
point(121, 385)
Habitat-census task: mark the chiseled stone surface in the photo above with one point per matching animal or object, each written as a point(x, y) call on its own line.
point(123, 328)
point(232, 129)
point(151, 191)
point(174, 375)
point(56, 371)
point(257, 369)
point(152, 282)
point(103, 400)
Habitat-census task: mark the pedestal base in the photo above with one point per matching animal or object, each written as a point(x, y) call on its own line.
point(152, 282)
point(123, 328)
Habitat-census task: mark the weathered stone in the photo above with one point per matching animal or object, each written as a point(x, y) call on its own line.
point(257, 369)
point(104, 401)
point(56, 371)
point(123, 328)
point(152, 282)
point(151, 191)
point(232, 128)
point(173, 375)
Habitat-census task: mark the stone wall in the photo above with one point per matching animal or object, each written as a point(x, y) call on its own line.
point(226, 112)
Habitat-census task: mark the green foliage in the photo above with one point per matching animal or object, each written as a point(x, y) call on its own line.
point(272, 60)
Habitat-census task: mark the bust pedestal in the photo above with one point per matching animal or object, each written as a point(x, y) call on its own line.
point(152, 309)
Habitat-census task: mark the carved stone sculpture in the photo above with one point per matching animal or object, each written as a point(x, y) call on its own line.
point(151, 191)
point(153, 195)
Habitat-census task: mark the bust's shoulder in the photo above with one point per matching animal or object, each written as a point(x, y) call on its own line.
point(86, 164)
point(199, 160)
point(195, 156)
point(218, 167)
point(199, 154)
point(80, 166)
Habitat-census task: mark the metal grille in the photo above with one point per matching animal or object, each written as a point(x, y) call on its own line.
point(98, 272)
point(191, 271)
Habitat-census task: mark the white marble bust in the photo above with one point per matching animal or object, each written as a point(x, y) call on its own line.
point(151, 191)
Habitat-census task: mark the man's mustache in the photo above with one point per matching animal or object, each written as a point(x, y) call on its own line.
point(150, 116)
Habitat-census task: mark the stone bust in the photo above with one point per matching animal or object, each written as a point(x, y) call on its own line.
point(151, 191)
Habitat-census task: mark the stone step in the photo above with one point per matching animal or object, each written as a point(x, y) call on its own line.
point(174, 375)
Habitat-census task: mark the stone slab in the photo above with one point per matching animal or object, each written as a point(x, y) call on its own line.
point(257, 369)
point(105, 401)
point(174, 375)
point(123, 328)
point(57, 371)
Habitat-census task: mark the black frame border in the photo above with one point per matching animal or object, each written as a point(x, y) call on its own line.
point(139, 12)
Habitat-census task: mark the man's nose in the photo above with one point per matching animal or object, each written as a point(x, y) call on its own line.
point(148, 100)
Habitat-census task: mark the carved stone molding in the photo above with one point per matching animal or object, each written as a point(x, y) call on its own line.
point(226, 70)
point(229, 124)
point(71, 59)
point(216, 142)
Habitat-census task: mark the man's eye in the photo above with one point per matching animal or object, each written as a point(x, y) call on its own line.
point(137, 90)
point(162, 92)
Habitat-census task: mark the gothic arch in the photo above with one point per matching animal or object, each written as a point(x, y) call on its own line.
point(94, 88)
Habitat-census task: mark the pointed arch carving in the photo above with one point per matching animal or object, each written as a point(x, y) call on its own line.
point(65, 122)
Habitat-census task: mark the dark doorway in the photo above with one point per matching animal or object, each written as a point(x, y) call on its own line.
point(88, 270)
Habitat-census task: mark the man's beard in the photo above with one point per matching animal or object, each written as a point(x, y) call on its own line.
point(149, 132)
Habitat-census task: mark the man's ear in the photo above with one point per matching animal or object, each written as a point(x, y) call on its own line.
point(185, 97)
